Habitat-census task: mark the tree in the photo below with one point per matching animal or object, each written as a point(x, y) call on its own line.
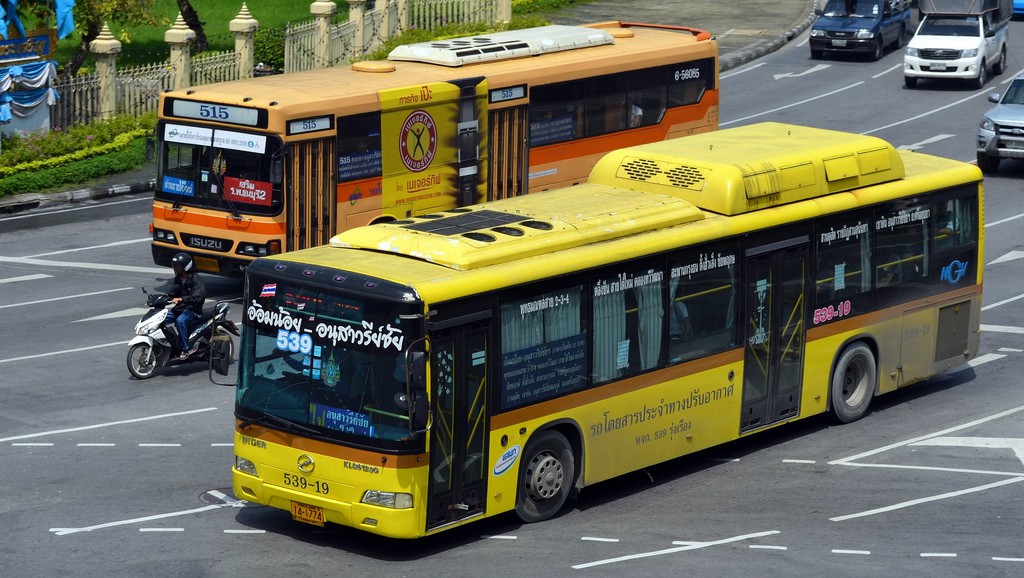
point(90, 15)
point(191, 18)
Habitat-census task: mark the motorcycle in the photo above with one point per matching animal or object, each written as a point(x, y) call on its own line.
point(156, 341)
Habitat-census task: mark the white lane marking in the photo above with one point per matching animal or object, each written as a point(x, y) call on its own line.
point(1003, 302)
point(489, 537)
point(594, 539)
point(1002, 328)
point(928, 113)
point(686, 546)
point(747, 69)
point(938, 554)
point(798, 461)
point(927, 141)
point(104, 246)
point(245, 531)
point(74, 265)
point(96, 445)
point(1010, 349)
point(78, 296)
point(918, 501)
point(858, 552)
point(983, 359)
point(222, 445)
point(35, 277)
point(161, 529)
point(106, 424)
point(1006, 220)
point(133, 312)
point(888, 70)
point(76, 350)
point(66, 531)
point(784, 107)
point(764, 547)
point(1011, 256)
point(33, 445)
point(1001, 559)
point(16, 217)
point(159, 445)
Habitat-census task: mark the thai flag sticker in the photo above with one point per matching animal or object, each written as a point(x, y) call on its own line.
point(269, 290)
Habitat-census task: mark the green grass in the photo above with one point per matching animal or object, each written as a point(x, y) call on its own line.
point(145, 44)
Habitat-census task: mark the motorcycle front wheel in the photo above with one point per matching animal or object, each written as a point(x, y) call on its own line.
point(138, 365)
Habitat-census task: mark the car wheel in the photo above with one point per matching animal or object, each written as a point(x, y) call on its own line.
point(898, 43)
point(1000, 67)
point(879, 49)
point(910, 81)
point(979, 82)
point(987, 163)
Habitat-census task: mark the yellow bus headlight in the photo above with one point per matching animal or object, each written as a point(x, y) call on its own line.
point(395, 500)
point(245, 466)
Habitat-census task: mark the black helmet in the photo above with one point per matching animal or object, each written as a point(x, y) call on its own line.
point(181, 262)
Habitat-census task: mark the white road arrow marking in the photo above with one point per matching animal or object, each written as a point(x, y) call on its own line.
point(817, 68)
point(927, 141)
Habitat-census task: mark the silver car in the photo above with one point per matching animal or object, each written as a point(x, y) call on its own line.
point(1001, 133)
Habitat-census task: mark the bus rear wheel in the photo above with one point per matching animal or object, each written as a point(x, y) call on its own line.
point(853, 383)
point(546, 477)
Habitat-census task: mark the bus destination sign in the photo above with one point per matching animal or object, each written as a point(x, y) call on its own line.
point(215, 112)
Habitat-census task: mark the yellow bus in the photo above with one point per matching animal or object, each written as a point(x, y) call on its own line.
point(416, 375)
point(259, 166)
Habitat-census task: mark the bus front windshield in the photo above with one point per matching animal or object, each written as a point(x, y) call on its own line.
point(219, 169)
point(319, 363)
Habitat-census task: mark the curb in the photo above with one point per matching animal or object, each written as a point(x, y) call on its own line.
point(26, 202)
point(741, 57)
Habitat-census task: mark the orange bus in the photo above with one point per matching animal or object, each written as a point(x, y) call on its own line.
point(256, 167)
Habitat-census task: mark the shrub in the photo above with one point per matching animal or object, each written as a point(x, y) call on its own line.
point(131, 156)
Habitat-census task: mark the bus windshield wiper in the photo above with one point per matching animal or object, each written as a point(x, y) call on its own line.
point(269, 418)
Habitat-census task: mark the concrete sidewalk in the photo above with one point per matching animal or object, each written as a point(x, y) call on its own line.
point(745, 29)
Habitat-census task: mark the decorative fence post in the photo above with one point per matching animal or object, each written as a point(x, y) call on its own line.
point(105, 49)
point(179, 36)
point(503, 13)
point(355, 16)
point(323, 11)
point(244, 27)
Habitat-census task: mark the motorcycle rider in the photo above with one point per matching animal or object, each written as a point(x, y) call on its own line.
point(188, 294)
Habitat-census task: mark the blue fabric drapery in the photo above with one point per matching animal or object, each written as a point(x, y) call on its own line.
point(32, 82)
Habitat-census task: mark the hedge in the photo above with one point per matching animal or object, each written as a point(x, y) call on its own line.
point(127, 152)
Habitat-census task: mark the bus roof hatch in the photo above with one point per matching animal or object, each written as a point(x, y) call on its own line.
point(502, 45)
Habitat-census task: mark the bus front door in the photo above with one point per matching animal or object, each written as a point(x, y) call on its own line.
point(775, 295)
point(310, 204)
point(459, 424)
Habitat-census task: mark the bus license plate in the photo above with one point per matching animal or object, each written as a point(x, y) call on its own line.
point(308, 514)
point(207, 264)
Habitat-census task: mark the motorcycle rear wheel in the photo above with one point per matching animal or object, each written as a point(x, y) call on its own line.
point(137, 365)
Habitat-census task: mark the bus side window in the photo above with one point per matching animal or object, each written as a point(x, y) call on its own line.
point(629, 321)
point(706, 293)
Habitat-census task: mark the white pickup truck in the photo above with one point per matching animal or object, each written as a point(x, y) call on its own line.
point(958, 39)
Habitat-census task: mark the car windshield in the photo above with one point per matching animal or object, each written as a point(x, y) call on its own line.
point(317, 362)
point(852, 8)
point(1014, 94)
point(947, 26)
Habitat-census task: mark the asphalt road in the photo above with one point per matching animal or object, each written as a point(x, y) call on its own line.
point(104, 475)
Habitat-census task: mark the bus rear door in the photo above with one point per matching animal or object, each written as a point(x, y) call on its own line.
point(775, 289)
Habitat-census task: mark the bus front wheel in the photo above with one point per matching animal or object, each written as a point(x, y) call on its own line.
point(853, 383)
point(546, 477)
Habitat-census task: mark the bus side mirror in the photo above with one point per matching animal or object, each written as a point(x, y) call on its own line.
point(221, 350)
point(417, 368)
